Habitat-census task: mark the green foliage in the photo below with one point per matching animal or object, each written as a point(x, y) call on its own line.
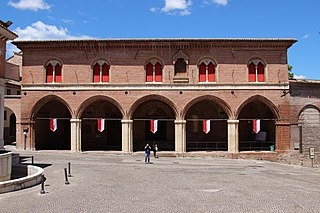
point(290, 73)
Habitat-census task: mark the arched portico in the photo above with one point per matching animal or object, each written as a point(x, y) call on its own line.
point(9, 128)
point(51, 116)
point(207, 126)
point(100, 125)
point(153, 121)
point(257, 124)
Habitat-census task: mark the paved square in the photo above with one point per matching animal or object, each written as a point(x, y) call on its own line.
point(104, 182)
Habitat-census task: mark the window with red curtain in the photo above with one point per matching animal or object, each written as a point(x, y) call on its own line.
point(58, 76)
point(149, 72)
point(211, 72)
point(260, 72)
point(158, 72)
point(105, 73)
point(49, 74)
point(202, 72)
point(252, 72)
point(96, 73)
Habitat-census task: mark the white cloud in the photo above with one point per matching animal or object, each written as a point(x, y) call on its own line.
point(219, 2)
point(299, 77)
point(67, 21)
point(34, 5)
point(173, 7)
point(305, 36)
point(42, 31)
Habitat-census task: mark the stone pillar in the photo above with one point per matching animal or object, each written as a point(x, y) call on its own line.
point(127, 136)
point(180, 136)
point(1, 115)
point(233, 136)
point(75, 135)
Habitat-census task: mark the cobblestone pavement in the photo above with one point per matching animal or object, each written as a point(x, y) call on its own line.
point(104, 182)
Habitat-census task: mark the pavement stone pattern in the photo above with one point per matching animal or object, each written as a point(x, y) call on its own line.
point(104, 182)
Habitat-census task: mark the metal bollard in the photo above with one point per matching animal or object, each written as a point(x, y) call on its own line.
point(69, 169)
point(66, 176)
point(43, 179)
point(32, 160)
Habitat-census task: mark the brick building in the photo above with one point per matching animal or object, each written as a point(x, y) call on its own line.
point(5, 35)
point(72, 90)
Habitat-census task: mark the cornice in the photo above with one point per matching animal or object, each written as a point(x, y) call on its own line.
point(178, 43)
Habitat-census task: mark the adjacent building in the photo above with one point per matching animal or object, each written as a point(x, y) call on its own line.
point(5, 35)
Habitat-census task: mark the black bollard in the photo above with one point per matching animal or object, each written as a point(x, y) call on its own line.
point(43, 179)
point(69, 169)
point(66, 176)
point(32, 160)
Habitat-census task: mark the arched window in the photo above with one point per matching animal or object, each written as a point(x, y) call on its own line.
point(153, 71)
point(53, 72)
point(100, 72)
point(256, 71)
point(180, 66)
point(207, 71)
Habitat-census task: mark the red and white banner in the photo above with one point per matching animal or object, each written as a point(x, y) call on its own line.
point(101, 126)
point(206, 126)
point(154, 126)
point(53, 124)
point(256, 126)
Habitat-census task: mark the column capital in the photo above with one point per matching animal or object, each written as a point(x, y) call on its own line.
point(126, 121)
point(180, 121)
point(233, 121)
point(75, 120)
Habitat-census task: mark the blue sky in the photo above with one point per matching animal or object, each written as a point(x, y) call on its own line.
point(80, 19)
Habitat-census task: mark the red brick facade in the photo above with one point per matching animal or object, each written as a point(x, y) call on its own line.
point(179, 97)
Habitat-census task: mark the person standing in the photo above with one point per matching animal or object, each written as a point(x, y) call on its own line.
point(147, 149)
point(155, 149)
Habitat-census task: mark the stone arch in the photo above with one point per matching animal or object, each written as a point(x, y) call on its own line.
point(202, 114)
point(46, 109)
point(153, 61)
point(146, 110)
point(100, 124)
point(9, 128)
point(262, 99)
point(255, 113)
point(93, 99)
point(163, 99)
point(224, 105)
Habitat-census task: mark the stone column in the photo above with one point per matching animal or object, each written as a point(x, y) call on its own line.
point(75, 135)
point(2, 92)
point(127, 133)
point(180, 136)
point(233, 136)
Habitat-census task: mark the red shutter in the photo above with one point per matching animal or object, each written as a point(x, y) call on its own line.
point(49, 74)
point(252, 73)
point(105, 73)
point(58, 76)
point(211, 73)
point(149, 73)
point(260, 72)
point(96, 73)
point(202, 72)
point(158, 72)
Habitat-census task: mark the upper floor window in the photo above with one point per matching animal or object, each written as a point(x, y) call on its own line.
point(53, 72)
point(207, 71)
point(100, 72)
point(256, 71)
point(153, 71)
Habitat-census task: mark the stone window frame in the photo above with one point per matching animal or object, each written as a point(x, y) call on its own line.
point(207, 61)
point(54, 63)
point(153, 61)
point(101, 62)
point(256, 62)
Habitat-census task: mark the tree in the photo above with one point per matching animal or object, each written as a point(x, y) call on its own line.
point(290, 73)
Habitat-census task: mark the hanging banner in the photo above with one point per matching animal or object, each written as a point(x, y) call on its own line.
point(154, 126)
point(256, 126)
point(101, 122)
point(206, 126)
point(53, 124)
